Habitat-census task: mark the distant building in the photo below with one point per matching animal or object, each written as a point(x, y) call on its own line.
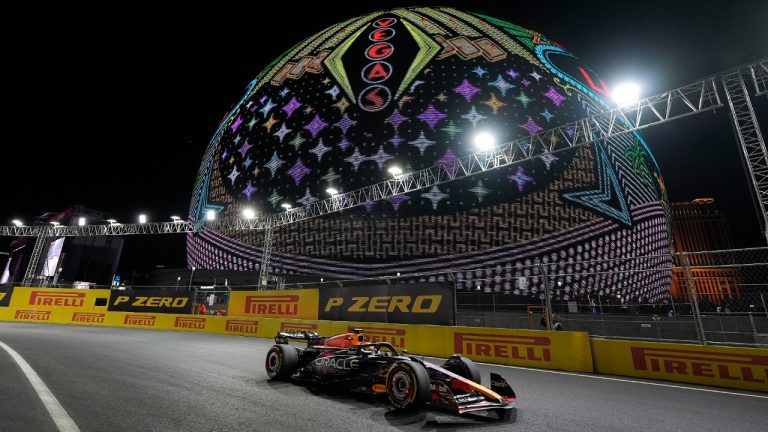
point(67, 260)
point(699, 226)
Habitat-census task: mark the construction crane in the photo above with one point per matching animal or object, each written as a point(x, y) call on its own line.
point(700, 96)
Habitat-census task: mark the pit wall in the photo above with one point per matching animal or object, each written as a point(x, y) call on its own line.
point(740, 368)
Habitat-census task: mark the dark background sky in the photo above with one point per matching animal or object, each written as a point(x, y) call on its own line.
point(111, 104)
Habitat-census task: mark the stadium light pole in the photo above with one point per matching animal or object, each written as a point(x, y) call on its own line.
point(178, 279)
point(395, 171)
point(332, 191)
point(286, 206)
point(626, 93)
point(191, 275)
point(81, 221)
point(484, 141)
point(142, 218)
point(249, 213)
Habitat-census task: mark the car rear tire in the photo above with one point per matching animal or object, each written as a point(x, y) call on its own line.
point(407, 385)
point(464, 368)
point(282, 361)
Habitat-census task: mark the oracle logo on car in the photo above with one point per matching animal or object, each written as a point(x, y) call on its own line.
point(32, 315)
point(140, 320)
point(242, 326)
point(273, 305)
point(711, 364)
point(530, 348)
point(196, 323)
point(394, 336)
point(294, 327)
point(88, 317)
point(42, 298)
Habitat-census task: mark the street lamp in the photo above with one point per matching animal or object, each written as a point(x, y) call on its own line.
point(286, 206)
point(210, 215)
point(626, 93)
point(142, 218)
point(178, 279)
point(485, 141)
point(395, 171)
point(175, 219)
point(190, 278)
point(17, 222)
point(81, 221)
point(111, 221)
point(249, 213)
point(332, 191)
point(54, 223)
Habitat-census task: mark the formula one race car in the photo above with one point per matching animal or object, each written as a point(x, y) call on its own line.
point(347, 361)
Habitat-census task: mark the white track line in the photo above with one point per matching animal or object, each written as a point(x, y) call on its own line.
point(59, 415)
point(626, 380)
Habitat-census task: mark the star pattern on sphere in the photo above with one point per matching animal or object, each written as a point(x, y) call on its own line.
point(547, 115)
point(479, 71)
point(451, 129)
point(520, 178)
point(334, 91)
point(421, 142)
point(344, 144)
point(244, 148)
point(249, 189)
point(480, 190)
point(316, 126)
point(251, 123)
point(291, 106)
point(298, 171)
point(237, 139)
point(494, 103)
point(282, 132)
point(396, 140)
point(535, 76)
point(284, 91)
point(297, 141)
point(548, 158)
point(525, 82)
point(274, 164)
point(269, 123)
point(502, 85)
point(396, 118)
point(398, 199)
point(330, 177)
point(274, 198)
point(236, 124)
point(356, 158)
point(435, 195)
point(342, 104)
point(554, 96)
point(531, 126)
point(473, 116)
point(247, 162)
point(441, 97)
point(467, 90)
point(233, 175)
point(326, 80)
point(224, 155)
point(512, 73)
point(524, 99)
point(380, 157)
point(320, 150)
point(431, 116)
point(308, 109)
point(267, 107)
point(345, 123)
point(307, 199)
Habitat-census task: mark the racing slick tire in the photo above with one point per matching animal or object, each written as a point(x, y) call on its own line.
point(282, 360)
point(407, 385)
point(464, 368)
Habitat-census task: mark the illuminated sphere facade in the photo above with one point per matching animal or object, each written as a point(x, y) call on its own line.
point(412, 87)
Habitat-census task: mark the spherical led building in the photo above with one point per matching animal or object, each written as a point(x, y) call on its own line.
point(412, 88)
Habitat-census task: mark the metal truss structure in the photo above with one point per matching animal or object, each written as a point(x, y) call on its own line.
point(700, 96)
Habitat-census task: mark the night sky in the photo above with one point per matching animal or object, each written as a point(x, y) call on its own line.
point(111, 106)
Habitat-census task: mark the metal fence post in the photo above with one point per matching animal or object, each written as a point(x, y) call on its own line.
point(548, 299)
point(694, 301)
point(762, 299)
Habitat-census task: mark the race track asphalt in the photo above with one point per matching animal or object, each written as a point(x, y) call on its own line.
point(113, 379)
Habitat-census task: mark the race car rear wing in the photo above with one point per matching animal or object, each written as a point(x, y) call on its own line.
point(312, 338)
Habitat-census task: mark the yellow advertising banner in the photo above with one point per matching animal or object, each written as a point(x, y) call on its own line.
point(52, 299)
point(741, 368)
point(301, 304)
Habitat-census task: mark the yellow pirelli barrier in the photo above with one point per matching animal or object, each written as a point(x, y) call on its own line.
point(301, 304)
point(741, 368)
point(56, 299)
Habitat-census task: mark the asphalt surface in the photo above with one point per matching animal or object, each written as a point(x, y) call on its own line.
point(112, 379)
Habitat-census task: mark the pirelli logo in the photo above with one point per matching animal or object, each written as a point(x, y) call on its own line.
point(32, 315)
point(530, 348)
point(396, 337)
point(273, 305)
point(711, 364)
point(294, 327)
point(88, 317)
point(140, 320)
point(242, 326)
point(60, 299)
point(195, 323)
